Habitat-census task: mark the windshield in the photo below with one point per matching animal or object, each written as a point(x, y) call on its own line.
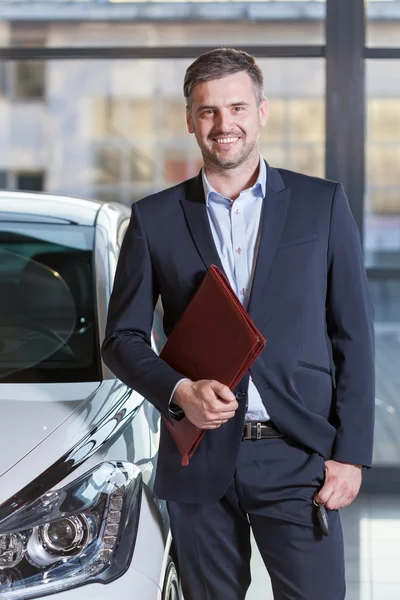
point(47, 314)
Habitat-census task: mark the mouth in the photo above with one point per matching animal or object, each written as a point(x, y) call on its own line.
point(225, 141)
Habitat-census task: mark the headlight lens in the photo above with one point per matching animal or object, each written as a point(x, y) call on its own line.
point(65, 537)
point(82, 533)
point(11, 550)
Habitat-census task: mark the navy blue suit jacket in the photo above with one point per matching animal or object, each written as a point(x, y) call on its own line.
point(309, 281)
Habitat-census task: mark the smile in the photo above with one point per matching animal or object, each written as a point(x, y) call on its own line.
point(230, 140)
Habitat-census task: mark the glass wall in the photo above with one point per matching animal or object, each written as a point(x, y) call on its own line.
point(382, 202)
point(253, 24)
point(382, 246)
point(96, 133)
point(386, 298)
point(383, 23)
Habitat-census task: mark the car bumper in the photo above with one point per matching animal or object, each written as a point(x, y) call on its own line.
point(133, 585)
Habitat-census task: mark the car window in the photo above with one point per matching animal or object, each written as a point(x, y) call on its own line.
point(47, 312)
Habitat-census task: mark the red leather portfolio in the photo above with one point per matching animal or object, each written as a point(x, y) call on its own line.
point(214, 339)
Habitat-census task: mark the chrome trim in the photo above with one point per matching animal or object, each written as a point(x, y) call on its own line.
point(120, 414)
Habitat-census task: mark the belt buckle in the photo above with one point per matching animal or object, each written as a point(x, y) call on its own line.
point(247, 433)
point(259, 431)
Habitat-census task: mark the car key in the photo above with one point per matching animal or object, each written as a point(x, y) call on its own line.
point(322, 517)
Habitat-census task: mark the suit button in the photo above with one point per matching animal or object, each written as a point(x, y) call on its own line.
point(239, 396)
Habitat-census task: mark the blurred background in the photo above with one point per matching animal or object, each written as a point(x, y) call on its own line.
point(91, 105)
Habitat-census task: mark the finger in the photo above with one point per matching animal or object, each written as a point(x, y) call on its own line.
point(227, 411)
point(212, 425)
point(218, 419)
point(347, 501)
point(217, 415)
point(337, 500)
point(222, 391)
point(324, 493)
point(224, 414)
point(216, 423)
point(334, 503)
point(342, 496)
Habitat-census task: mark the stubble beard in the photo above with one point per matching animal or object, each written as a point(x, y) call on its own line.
point(219, 164)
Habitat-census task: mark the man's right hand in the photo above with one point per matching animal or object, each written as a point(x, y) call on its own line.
point(206, 403)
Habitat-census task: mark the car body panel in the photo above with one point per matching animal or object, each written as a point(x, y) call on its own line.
point(110, 219)
point(139, 585)
point(37, 207)
point(90, 416)
point(35, 411)
point(57, 432)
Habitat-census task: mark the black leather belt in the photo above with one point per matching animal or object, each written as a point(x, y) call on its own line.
point(259, 431)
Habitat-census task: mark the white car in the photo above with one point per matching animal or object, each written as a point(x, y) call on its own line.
point(78, 517)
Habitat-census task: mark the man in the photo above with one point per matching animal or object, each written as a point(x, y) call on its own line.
point(291, 250)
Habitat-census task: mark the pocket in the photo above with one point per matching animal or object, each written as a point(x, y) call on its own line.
point(313, 367)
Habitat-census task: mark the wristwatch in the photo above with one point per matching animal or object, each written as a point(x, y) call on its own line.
point(176, 412)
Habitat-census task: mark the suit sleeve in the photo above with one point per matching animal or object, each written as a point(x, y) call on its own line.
point(126, 348)
point(350, 325)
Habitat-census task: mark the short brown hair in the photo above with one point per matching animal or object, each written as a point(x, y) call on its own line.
point(219, 63)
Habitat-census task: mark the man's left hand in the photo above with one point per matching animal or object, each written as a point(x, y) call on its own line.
point(342, 484)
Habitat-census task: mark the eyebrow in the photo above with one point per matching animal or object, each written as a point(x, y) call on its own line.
point(209, 106)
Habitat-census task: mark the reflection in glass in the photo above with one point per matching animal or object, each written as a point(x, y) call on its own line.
point(386, 300)
point(47, 315)
point(382, 202)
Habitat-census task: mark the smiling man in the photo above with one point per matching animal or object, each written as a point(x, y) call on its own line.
point(286, 447)
point(226, 117)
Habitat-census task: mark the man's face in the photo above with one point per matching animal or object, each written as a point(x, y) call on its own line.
point(226, 119)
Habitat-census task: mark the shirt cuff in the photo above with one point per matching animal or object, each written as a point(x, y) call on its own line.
point(174, 410)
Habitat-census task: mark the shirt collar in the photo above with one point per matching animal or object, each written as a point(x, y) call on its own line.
point(260, 184)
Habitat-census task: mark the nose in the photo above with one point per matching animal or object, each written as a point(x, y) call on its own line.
point(224, 120)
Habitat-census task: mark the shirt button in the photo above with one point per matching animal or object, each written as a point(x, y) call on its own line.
point(239, 251)
point(243, 291)
point(236, 211)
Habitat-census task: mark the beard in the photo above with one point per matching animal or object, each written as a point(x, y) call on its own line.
point(222, 163)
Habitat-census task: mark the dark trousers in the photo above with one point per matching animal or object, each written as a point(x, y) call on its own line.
point(272, 493)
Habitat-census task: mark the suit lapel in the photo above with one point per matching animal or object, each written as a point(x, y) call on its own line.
point(195, 210)
point(273, 218)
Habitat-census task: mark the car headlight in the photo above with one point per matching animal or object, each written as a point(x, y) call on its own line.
point(82, 533)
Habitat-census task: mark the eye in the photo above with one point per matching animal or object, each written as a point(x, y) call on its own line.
point(239, 108)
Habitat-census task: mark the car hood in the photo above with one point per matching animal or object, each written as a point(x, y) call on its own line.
point(29, 413)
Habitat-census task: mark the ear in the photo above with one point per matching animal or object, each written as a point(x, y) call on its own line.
point(189, 121)
point(264, 112)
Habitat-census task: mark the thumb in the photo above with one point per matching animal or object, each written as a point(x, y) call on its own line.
point(222, 391)
point(324, 493)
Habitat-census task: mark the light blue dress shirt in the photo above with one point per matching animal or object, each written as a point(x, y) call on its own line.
point(235, 226)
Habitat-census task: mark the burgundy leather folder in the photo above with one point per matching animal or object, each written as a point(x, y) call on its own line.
point(214, 339)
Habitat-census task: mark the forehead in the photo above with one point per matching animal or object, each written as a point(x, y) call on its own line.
point(232, 88)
